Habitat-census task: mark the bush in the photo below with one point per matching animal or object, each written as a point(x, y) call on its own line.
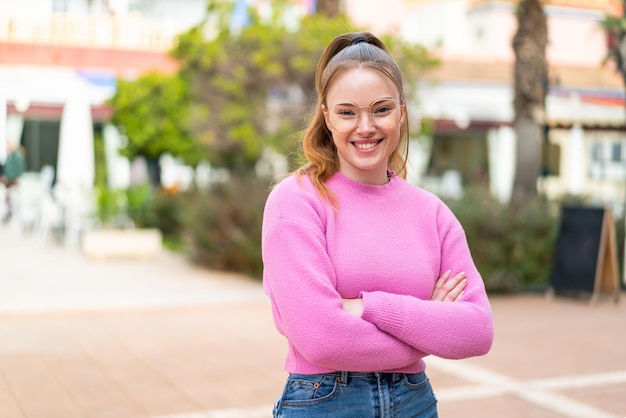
point(110, 205)
point(166, 211)
point(224, 225)
point(139, 204)
point(512, 248)
point(143, 207)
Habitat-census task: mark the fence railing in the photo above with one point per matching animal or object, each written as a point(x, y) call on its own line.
point(95, 31)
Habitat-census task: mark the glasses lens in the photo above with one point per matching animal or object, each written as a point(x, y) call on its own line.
point(385, 114)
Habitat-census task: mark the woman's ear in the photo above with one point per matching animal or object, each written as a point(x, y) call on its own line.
point(325, 113)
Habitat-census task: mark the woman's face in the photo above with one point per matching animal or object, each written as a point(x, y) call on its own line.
point(364, 116)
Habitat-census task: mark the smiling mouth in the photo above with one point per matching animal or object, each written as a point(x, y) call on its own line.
point(364, 146)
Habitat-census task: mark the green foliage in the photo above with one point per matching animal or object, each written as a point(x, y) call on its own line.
point(143, 207)
point(237, 93)
point(254, 88)
point(224, 225)
point(99, 156)
point(167, 213)
point(110, 205)
point(512, 248)
point(139, 203)
point(615, 28)
point(614, 25)
point(123, 208)
point(154, 113)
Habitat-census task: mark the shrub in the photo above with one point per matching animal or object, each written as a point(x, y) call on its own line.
point(110, 205)
point(166, 212)
point(139, 204)
point(143, 207)
point(512, 248)
point(224, 225)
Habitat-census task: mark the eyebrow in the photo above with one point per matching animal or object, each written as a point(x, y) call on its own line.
point(354, 104)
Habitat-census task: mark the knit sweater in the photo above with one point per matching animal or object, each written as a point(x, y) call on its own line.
point(385, 244)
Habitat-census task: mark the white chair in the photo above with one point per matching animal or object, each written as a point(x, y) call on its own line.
point(50, 212)
point(78, 209)
point(25, 198)
point(50, 218)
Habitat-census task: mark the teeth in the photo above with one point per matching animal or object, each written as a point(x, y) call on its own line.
point(366, 146)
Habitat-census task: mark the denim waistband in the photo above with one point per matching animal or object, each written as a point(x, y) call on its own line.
point(344, 376)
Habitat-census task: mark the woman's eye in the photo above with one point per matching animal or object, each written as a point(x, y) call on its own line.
point(383, 109)
point(346, 112)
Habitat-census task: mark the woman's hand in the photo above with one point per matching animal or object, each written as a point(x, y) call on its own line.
point(449, 289)
point(353, 306)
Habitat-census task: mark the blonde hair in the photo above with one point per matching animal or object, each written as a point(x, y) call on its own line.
point(346, 52)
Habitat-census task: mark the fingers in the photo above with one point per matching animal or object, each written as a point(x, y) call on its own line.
point(353, 306)
point(441, 281)
point(449, 289)
point(456, 291)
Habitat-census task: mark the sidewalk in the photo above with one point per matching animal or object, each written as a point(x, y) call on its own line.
point(163, 338)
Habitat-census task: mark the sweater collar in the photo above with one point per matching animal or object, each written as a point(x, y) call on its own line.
point(341, 184)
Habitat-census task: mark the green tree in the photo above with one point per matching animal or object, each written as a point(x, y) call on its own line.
point(253, 87)
point(615, 27)
point(529, 45)
point(153, 112)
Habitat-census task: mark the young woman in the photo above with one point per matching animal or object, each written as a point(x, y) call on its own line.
point(367, 274)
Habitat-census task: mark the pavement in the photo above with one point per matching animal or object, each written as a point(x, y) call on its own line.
point(163, 338)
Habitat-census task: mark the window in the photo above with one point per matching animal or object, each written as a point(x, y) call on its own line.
point(607, 159)
point(616, 152)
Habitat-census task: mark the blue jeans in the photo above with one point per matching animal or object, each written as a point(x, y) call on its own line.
point(359, 395)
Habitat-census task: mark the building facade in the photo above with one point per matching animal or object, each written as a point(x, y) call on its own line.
point(470, 96)
point(52, 51)
point(57, 52)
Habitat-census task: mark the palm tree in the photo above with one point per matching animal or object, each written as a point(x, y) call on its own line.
point(529, 45)
point(616, 30)
point(328, 8)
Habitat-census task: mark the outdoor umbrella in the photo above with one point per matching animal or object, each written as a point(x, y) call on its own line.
point(76, 166)
point(76, 161)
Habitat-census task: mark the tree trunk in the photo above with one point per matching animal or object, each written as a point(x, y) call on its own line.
point(529, 45)
point(528, 164)
point(330, 8)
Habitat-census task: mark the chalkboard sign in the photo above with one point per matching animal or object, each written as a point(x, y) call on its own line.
point(585, 260)
point(576, 253)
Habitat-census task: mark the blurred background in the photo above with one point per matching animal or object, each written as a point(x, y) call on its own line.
point(139, 140)
point(171, 119)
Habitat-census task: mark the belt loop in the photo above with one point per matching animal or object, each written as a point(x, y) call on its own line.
point(343, 378)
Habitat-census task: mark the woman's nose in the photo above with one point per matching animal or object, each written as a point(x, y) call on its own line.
point(365, 122)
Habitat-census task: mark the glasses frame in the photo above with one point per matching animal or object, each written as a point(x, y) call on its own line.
point(399, 102)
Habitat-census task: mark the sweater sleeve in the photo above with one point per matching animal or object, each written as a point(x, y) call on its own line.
point(308, 310)
point(451, 330)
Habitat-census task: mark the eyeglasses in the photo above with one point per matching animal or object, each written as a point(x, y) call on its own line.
point(384, 113)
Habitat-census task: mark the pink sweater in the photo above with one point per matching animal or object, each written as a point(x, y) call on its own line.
point(387, 244)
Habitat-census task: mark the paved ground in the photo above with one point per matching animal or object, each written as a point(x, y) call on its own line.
point(164, 339)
